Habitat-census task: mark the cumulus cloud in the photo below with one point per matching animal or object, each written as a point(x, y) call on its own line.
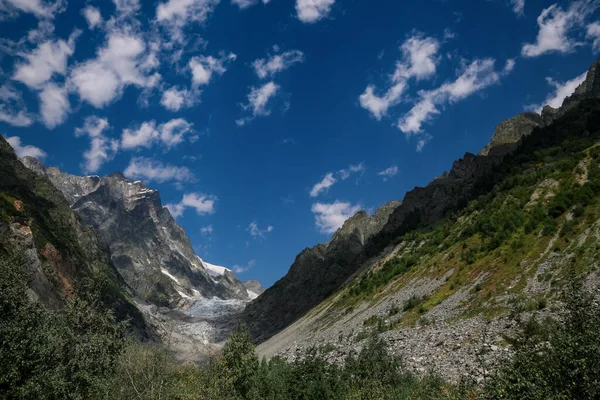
point(311, 11)
point(13, 110)
point(169, 134)
point(330, 217)
point(42, 63)
point(54, 105)
point(174, 99)
point(240, 269)
point(207, 230)
point(175, 15)
point(127, 7)
point(346, 173)
point(121, 62)
point(258, 100)
point(389, 172)
point(593, 32)
point(26, 150)
point(379, 105)
point(203, 67)
point(329, 179)
point(203, 204)
point(102, 148)
point(518, 6)
point(419, 61)
point(247, 3)
point(92, 16)
point(150, 170)
point(559, 92)
point(39, 8)
point(256, 232)
point(265, 68)
point(476, 76)
point(555, 24)
point(322, 186)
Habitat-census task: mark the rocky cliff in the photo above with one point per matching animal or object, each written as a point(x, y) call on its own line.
point(149, 249)
point(65, 255)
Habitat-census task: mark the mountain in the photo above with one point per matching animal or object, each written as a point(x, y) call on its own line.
point(151, 252)
point(65, 256)
point(254, 288)
point(445, 272)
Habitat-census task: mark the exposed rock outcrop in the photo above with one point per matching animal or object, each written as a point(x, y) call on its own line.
point(510, 131)
point(152, 252)
point(56, 246)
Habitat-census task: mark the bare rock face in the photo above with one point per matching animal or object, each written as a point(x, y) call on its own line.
point(149, 249)
point(315, 274)
point(255, 287)
point(588, 89)
point(56, 246)
point(508, 133)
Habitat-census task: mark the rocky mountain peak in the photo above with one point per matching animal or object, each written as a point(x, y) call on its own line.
point(510, 131)
point(588, 89)
point(151, 252)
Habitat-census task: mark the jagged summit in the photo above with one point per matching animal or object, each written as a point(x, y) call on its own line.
point(151, 252)
point(511, 130)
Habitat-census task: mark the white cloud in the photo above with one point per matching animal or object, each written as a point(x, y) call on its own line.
point(555, 24)
point(311, 11)
point(170, 134)
point(127, 7)
point(561, 90)
point(327, 182)
point(256, 232)
point(123, 61)
point(48, 59)
point(593, 32)
point(203, 67)
point(475, 77)
point(102, 149)
point(174, 99)
point(389, 172)
point(150, 170)
point(12, 107)
point(15, 118)
point(269, 67)
point(345, 173)
point(54, 105)
point(207, 230)
point(330, 217)
point(144, 136)
point(174, 15)
point(419, 58)
point(92, 16)
point(247, 3)
point(419, 61)
point(423, 140)
point(26, 151)
point(258, 99)
point(240, 269)
point(202, 203)
point(378, 106)
point(39, 8)
point(518, 6)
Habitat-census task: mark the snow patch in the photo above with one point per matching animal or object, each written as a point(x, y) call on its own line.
point(252, 295)
point(164, 271)
point(214, 270)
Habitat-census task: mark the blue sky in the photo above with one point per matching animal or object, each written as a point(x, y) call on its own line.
point(265, 124)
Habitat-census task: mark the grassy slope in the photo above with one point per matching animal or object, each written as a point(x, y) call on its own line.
point(535, 220)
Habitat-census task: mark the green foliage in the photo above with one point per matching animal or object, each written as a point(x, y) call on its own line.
point(555, 360)
point(63, 354)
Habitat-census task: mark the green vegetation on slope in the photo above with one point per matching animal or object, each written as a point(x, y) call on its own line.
point(80, 352)
point(546, 193)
